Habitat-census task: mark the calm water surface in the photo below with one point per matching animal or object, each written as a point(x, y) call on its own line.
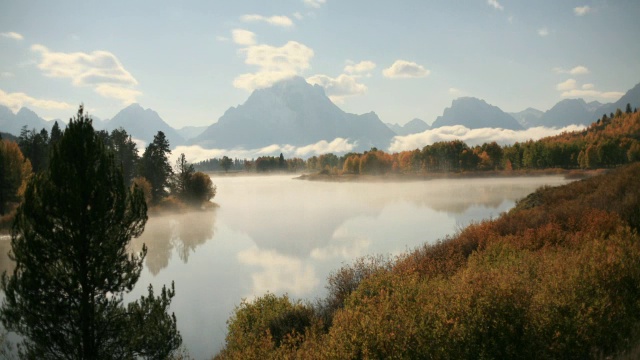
point(276, 234)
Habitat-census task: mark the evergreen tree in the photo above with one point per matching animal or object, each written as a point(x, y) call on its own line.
point(35, 146)
point(56, 134)
point(628, 110)
point(226, 163)
point(126, 153)
point(69, 242)
point(155, 166)
point(182, 176)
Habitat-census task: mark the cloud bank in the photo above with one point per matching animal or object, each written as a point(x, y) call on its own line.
point(15, 101)
point(99, 69)
point(570, 89)
point(474, 137)
point(196, 153)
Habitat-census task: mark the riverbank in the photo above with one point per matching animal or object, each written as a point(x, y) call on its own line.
point(558, 276)
point(568, 174)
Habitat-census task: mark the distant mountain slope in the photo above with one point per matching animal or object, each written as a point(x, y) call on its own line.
point(630, 97)
point(12, 123)
point(143, 124)
point(414, 126)
point(189, 132)
point(567, 112)
point(474, 114)
point(528, 117)
point(292, 112)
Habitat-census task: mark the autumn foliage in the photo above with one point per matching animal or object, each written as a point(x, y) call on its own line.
point(558, 276)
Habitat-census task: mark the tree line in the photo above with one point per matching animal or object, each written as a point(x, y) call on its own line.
point(162, 183)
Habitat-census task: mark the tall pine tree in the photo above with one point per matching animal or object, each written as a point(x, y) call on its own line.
point(69, 242)
point(155, 167)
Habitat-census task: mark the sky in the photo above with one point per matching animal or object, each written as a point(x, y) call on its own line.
point(192, 60)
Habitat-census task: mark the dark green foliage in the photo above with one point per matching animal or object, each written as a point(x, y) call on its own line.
point(69, 242)
point(35, 147)
point(183, 171)
point(155, 167)
point(125, 152)
point(226, 163)
point(152, 331)
point(200, 189)
point(56, 134)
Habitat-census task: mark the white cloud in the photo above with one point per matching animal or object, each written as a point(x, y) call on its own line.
point(315, 3)
point(566, 85)
point(338, 88)
point(15, 101)
point(455, 91)
point(579, 70)
point(196, 153)
point(359, 68)
point(100, 69)
point(582, 10)
point(405, 69)
point(543, 31)
point(279, 273)
point(570, 89)
point(474, 136)
point(592, 93)
point(124, 94)
point(274, 64)
point(243, 37)
point(12, 35)
point(276, 20)
point(337, 146)
point(298, 15)
point(495, 4)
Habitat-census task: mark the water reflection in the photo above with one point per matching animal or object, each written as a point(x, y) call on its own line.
point(183, 232)
point(285, 236)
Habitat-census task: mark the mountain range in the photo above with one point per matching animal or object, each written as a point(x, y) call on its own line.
point(292, 112)
point(414, 126)
point(296, 113)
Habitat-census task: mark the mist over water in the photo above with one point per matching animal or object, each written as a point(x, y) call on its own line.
point(275, 234)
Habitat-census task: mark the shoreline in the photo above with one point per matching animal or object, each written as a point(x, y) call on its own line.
point(568, 174)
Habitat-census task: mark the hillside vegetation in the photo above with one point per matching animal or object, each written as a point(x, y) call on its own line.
point(558, 276)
